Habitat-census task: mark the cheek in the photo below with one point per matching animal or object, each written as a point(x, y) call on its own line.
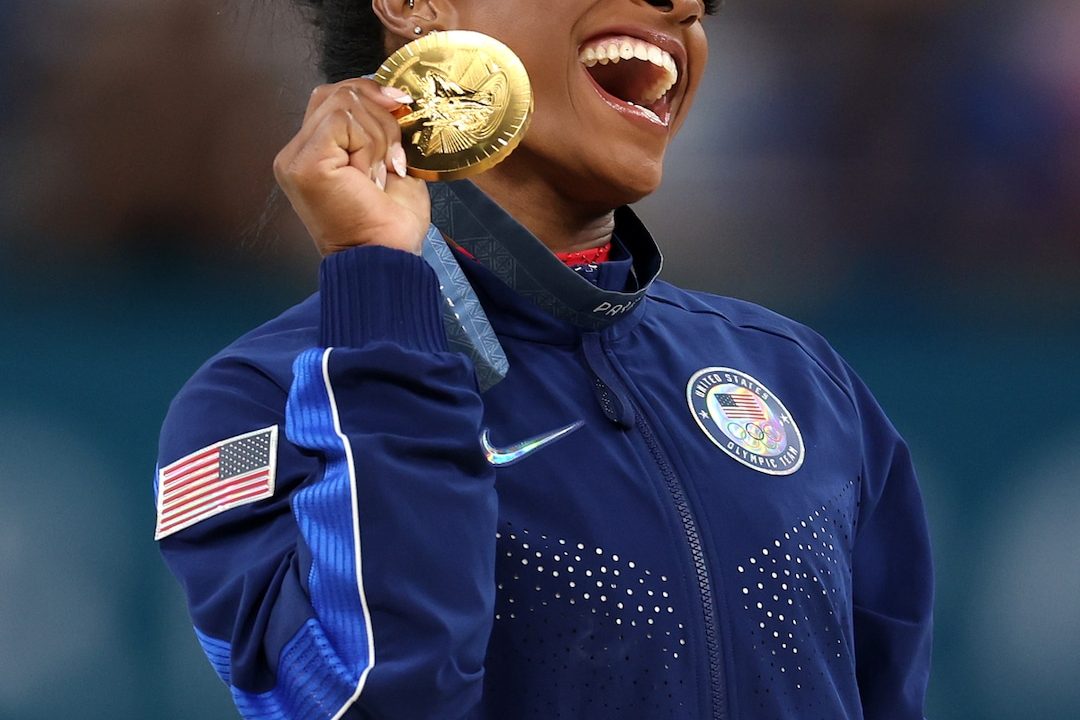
point(698, 54)
point(548, 72)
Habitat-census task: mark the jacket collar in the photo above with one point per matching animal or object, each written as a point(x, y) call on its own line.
point(508, 265)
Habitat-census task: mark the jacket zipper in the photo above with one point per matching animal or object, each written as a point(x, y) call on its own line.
point(617, 405)
point(686, 515)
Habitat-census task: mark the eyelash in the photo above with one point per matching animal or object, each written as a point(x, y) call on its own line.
point(713, 6)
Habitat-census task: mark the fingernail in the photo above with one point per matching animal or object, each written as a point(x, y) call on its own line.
point(380, 178)
point(398, 160)
point(396, 95)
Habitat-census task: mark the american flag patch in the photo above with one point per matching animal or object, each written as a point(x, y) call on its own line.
point(224, 475)
point(740, 406)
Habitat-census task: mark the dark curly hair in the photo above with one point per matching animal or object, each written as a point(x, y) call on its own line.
point(350, 36)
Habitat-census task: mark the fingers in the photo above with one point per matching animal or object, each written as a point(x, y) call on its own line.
point(368, 143)
point(387, 97)
point(348, 124)
point(371, 105)
point(344, 171)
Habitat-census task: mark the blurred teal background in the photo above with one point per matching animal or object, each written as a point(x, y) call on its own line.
point(902, 176)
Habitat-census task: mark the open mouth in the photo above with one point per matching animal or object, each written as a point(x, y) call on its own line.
point(632, 72)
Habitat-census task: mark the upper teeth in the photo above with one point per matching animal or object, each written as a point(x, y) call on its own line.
point(613, 49)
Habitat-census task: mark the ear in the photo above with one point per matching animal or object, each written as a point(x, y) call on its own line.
point(401, 18)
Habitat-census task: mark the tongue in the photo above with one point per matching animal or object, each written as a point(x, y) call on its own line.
point(627, 80)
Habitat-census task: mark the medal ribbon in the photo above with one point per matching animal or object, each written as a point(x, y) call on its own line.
point(498, 242)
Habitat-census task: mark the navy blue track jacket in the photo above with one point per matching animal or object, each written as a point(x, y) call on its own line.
point(674, 506)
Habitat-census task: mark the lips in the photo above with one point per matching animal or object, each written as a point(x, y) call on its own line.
point(632, 72)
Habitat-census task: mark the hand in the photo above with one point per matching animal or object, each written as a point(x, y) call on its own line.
point(344, 171)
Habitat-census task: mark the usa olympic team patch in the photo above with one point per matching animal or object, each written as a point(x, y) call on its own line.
point(745, 420)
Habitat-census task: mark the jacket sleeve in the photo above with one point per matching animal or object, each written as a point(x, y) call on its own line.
point(893, 573)
point(363, 587)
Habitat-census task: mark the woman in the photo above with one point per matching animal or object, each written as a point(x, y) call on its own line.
point(674, 505)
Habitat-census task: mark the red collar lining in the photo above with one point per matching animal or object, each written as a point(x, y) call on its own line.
point(593, 256)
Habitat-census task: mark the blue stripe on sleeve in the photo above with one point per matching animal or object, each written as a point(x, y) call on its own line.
point(322, 669)
point(327, 514)
point(306, 661)
point(311, 682)
point(218, 653)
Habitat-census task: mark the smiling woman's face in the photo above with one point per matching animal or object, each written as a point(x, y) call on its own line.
point(612, 79)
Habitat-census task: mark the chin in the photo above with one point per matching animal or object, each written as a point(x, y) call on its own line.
point(626, 183)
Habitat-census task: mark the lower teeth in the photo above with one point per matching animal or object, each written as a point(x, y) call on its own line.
point(647, 111)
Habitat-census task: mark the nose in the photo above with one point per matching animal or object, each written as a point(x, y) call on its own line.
point(687, 11)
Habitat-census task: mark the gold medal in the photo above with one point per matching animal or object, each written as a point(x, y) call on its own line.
point(472, 102)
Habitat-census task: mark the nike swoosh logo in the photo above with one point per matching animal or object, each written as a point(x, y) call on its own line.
point(511, 454)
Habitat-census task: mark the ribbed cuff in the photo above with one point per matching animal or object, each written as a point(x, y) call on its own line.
point(377, 293)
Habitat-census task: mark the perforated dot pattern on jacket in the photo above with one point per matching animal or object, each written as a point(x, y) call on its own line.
point(796, 587)
point(581, 626)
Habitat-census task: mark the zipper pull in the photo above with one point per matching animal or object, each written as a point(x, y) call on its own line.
point(610, 391)
point(614, 408)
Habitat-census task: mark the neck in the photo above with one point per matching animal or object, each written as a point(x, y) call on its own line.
point(561, 224)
